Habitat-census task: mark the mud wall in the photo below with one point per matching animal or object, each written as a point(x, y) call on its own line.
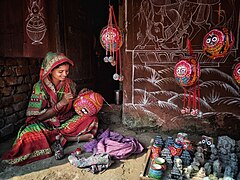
point(156, 39)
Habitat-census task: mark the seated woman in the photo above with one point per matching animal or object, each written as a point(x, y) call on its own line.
point(51, 120)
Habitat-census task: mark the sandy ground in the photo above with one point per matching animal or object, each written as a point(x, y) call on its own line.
point(49, 169)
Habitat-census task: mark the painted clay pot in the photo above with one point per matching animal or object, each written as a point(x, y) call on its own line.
point(88, 103)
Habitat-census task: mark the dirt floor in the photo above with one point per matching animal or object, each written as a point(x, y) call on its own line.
point(49, 169)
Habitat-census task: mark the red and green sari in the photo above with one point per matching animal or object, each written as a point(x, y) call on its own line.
point(35, 138)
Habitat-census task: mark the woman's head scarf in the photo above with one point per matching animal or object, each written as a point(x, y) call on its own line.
point(52, 60)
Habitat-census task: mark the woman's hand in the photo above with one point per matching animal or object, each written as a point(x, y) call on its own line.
point(67, 97)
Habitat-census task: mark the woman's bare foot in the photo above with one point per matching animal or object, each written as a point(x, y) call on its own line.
point(85, 137)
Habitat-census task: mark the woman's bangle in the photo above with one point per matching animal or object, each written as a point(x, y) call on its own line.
point(55, 109)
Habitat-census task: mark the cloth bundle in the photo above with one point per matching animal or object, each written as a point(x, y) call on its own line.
point(115, 144)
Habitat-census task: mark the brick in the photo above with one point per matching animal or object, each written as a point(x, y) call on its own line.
point(1, 113)
point(1, 102)
point(1, 69)
point(2, 122)
point(20, 106)
point(10, 119)
point(6, 101)
point(11, 80)
point(33, 69)
point(8, 110)
point(11, 62)
point(19, 97)
point(7, 130)
point(2, 62)
point(20, 80)
point(28, 79)
point(22, 70)
point(21, 114)
point(22, 62)
point(23, 88)
point(35, 78)
point(19, 123)
point(35, 61)
point(2, 82)
point(6, 91)
point(8, 71)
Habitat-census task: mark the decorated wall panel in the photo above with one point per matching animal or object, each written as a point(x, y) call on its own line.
point(35, 28)
point(156, 39)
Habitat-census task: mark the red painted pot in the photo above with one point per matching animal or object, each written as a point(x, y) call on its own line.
point(88, 103)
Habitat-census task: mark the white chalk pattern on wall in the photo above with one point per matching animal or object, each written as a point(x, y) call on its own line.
point(158, 42)
point(35, 24)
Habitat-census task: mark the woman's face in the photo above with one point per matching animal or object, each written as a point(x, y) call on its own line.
point(60, 73)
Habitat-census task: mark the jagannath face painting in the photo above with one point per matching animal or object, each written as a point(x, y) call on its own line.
point(182, 70)
point(111, 38)
point(218, 42)
point(236, 73)
point(110, 35)
point(213, 38)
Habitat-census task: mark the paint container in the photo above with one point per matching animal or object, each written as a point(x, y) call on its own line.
point(118, 96)
point(157, 146)
point(178, 148)
point(155, 152)
point(155, 171)
point(161, 161)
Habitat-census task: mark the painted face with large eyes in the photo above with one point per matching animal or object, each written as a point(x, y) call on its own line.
point(181, 70)
point(212, 39)
point(84, 110)
point(111, 38)
point(207, 140)
point(236, 73)
point(110, 35)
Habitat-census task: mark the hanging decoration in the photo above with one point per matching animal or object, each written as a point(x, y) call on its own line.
point(187, 73)
point(236, 73)
point(218, 42)
point(111, 38)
